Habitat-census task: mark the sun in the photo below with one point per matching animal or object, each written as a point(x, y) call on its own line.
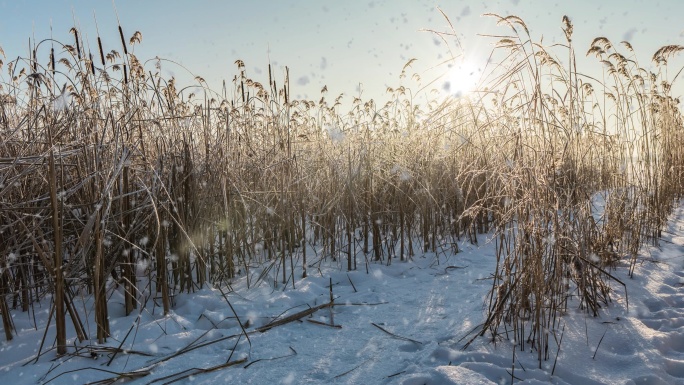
point(462, 78)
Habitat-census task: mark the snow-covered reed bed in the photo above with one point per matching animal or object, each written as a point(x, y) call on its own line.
point(110, 172)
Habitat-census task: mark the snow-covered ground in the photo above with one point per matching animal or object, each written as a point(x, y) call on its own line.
point(397, 324)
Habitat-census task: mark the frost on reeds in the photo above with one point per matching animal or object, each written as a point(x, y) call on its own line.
point(131, 182)
point(588, 171)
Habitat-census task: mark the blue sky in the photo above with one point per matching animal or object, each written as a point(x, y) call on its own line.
point(340, 44)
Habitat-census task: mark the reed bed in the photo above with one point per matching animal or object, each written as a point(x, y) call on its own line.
point(112, 177)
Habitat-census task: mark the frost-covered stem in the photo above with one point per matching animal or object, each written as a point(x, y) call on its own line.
point(60, 321)
point(128, 265)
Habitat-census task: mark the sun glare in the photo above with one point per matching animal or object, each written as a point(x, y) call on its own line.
point(461, 79)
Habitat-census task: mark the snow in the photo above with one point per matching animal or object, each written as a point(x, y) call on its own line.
point(61, 102)
point(400, 324)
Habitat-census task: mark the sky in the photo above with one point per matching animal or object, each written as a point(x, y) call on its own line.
point(352, 47)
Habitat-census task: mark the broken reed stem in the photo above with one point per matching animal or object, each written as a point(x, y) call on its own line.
point(599, 344)
point(332, 302)
point(58, 274)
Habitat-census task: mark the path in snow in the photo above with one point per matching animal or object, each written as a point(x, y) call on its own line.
point(661, 319)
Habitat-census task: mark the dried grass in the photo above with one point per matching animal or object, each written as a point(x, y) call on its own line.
point(126, 180)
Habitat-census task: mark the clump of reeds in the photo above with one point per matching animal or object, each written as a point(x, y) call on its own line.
point(587, 174)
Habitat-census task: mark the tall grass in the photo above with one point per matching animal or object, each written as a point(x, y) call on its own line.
point(588, 173)
point(114, 178)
